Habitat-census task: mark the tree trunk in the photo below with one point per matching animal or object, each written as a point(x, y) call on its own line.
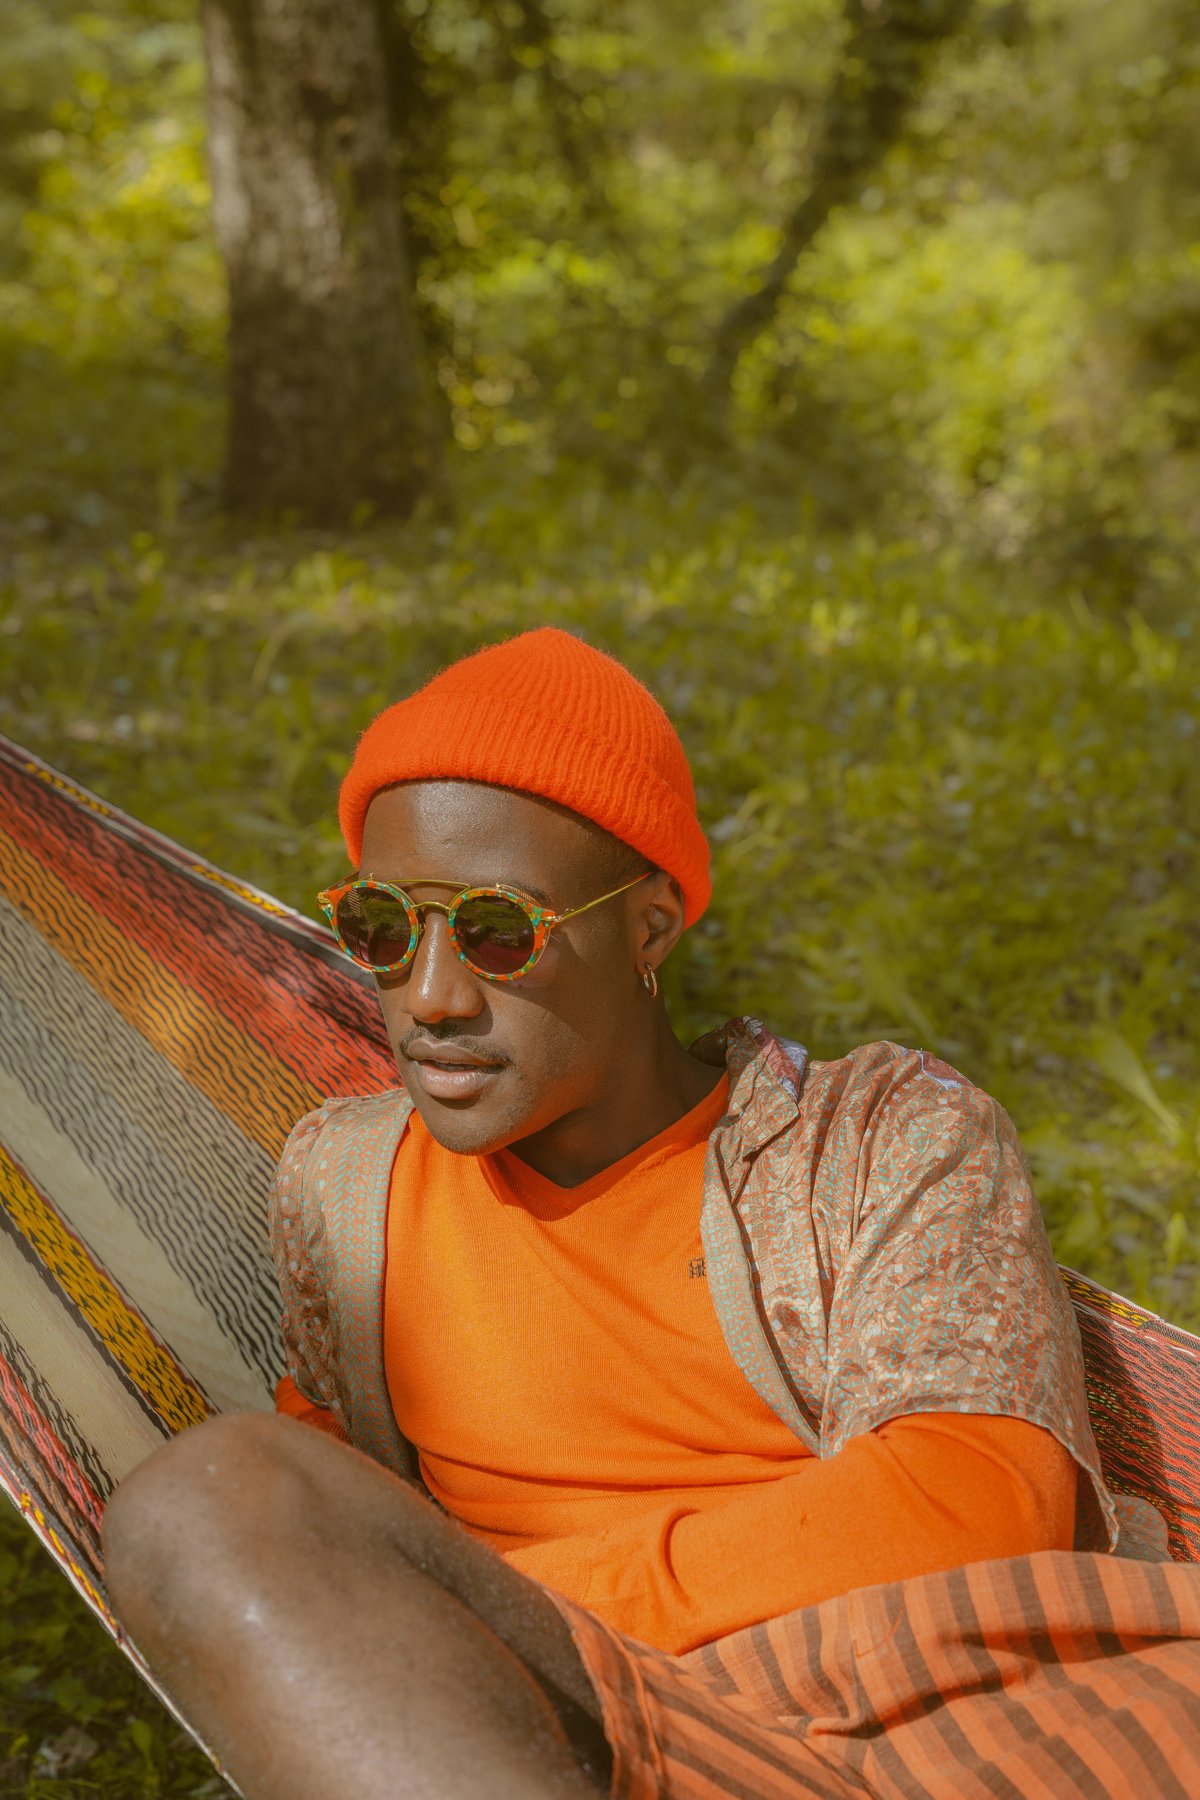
point(329, 407)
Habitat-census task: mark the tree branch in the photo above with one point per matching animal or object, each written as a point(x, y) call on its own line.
point(880, 74)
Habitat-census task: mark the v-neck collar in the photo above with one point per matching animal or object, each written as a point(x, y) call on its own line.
point(526, 1187)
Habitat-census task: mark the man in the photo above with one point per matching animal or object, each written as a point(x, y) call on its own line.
point(682, 1376)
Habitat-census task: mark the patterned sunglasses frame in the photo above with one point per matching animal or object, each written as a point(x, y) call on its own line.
point(541, 918)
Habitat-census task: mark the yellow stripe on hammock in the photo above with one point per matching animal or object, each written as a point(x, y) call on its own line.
point(156, 1375)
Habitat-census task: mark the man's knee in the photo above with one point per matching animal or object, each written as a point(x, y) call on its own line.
point(183, 1525)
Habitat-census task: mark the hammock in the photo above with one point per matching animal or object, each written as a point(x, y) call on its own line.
point(163, 1027)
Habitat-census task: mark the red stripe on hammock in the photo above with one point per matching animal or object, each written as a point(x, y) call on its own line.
point(19, 1413)
point(324, 1027)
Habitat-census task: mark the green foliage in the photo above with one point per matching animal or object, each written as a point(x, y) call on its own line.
point(75, 1719)
point(996, 346)
point(111, 298)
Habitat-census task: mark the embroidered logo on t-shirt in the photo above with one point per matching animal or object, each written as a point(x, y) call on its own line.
point(696, 1266)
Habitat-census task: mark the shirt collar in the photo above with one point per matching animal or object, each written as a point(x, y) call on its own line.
point(766, 1075)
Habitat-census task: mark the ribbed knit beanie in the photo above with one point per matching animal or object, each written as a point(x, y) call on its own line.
point(547, 714)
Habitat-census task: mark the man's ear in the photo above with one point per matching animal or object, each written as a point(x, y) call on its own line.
point(659, 920)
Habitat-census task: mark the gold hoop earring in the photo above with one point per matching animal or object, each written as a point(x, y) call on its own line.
point(650, 982)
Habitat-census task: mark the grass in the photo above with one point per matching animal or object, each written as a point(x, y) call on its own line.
point(76, 1720)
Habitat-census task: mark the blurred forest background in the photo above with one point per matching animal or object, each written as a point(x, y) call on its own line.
point(836, 363)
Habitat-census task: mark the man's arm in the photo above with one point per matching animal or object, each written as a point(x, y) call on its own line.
point(921, 1493)
point(945, 1294)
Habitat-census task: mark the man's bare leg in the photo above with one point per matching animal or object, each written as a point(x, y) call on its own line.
point(334, 1636)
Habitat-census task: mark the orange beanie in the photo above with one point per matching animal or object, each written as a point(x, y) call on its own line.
point(544, 713)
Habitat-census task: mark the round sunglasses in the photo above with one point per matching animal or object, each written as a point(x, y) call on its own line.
point(499, 932)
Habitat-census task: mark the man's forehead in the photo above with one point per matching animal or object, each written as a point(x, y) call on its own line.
point(442, 805)
point(486, 832)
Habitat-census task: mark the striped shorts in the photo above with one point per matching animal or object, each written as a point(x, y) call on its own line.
point(1061, 1674)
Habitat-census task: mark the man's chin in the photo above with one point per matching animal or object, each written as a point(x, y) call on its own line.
point(466, 1127)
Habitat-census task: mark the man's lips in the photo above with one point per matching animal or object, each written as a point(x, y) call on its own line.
point(447, 1073)
point(453, 1056)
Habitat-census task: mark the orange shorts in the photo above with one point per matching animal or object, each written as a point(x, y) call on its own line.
point(1037, 1677)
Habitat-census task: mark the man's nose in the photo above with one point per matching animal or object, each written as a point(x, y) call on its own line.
point(440, 986)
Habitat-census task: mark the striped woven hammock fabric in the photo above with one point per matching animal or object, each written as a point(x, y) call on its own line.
point(163, 1027)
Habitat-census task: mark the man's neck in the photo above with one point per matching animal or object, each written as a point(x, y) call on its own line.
point(642, 1098)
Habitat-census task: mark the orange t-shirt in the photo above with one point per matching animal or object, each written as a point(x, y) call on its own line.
point(555, 1357)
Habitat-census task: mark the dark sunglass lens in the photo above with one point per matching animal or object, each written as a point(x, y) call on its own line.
point(374, 927)
point(494, 934)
